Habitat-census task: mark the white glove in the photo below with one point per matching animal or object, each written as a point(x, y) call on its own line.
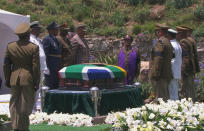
point(46, 71)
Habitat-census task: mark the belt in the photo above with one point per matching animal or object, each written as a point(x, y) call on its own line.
point(53, 55)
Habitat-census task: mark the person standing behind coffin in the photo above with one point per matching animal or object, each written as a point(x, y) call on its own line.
point(34, 38)
point(175, 65)
point(67, 57)
point(80, 46)
point(129, 59)
point(22, 75)
point(52, 50)
point(160, 70)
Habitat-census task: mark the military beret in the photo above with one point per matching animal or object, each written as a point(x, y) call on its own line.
point(64, 27)
point(161, 26)
point(22, 29)
point(181, 29)
point(188, 28)
point(52, 25)
point(172, 31)
point(35, 24)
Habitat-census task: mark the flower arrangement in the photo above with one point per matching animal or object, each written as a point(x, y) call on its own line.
point(170, 115)
point(61, 119)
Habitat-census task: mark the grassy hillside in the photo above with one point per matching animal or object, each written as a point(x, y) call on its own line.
point(112, 17)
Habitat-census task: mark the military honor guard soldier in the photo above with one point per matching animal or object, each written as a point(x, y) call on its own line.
point(188, 64)
point(160, 69)
point(52, 49)
point(34, 38)
point(22, 75)
point(175, 65)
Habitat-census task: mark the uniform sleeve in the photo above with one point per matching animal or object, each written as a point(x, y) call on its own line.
point(46, 46)
point(158, 60)
point(7, 68)
point(196, 57)
point(36, 66)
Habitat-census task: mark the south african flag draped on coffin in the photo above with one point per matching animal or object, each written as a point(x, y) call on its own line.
point(92, 72)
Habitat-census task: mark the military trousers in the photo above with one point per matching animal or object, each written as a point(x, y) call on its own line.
point(20, 106)
point(187, 87)
point(161, 89)
point(52, 80)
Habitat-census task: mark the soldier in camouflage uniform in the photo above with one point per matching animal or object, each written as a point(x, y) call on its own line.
point(188, 65)
point(160, 69)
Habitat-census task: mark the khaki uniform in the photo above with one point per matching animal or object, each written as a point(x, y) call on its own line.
point(195, 53)
point(22, 74)
point(67, 57)
point(80, 53)
point(188, 70)
point(160, 69)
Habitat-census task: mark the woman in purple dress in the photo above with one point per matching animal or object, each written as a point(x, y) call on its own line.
point(129, 59)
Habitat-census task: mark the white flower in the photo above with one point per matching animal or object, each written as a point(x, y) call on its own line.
point(162, 124)
point(201, 116)
point(179, 128)
point(151, 116)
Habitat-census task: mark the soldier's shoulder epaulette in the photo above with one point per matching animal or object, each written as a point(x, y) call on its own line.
point(185, 40)
point(12, 42)
point(191, 40)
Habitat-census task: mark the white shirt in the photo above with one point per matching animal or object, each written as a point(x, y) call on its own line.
point(177, 61)
point(43, 65)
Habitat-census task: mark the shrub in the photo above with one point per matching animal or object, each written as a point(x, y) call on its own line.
point(199, 12)
point(81, 12)
point(142, 15)
point(61, 1)
point(148, 27)
point(136, 29)
point(21, 10)
point(51, 9)
point(133, 2)
point(118, 18)
point(38, 2)
point(199, 32)
point(93, 23)
point(156, 1)
point(35, 17)
point(64, 19)
point(183, 3)
point(110, 5)
point(48, 19)
point(111, 31)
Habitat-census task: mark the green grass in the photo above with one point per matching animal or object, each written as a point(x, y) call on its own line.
point(45, 127)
